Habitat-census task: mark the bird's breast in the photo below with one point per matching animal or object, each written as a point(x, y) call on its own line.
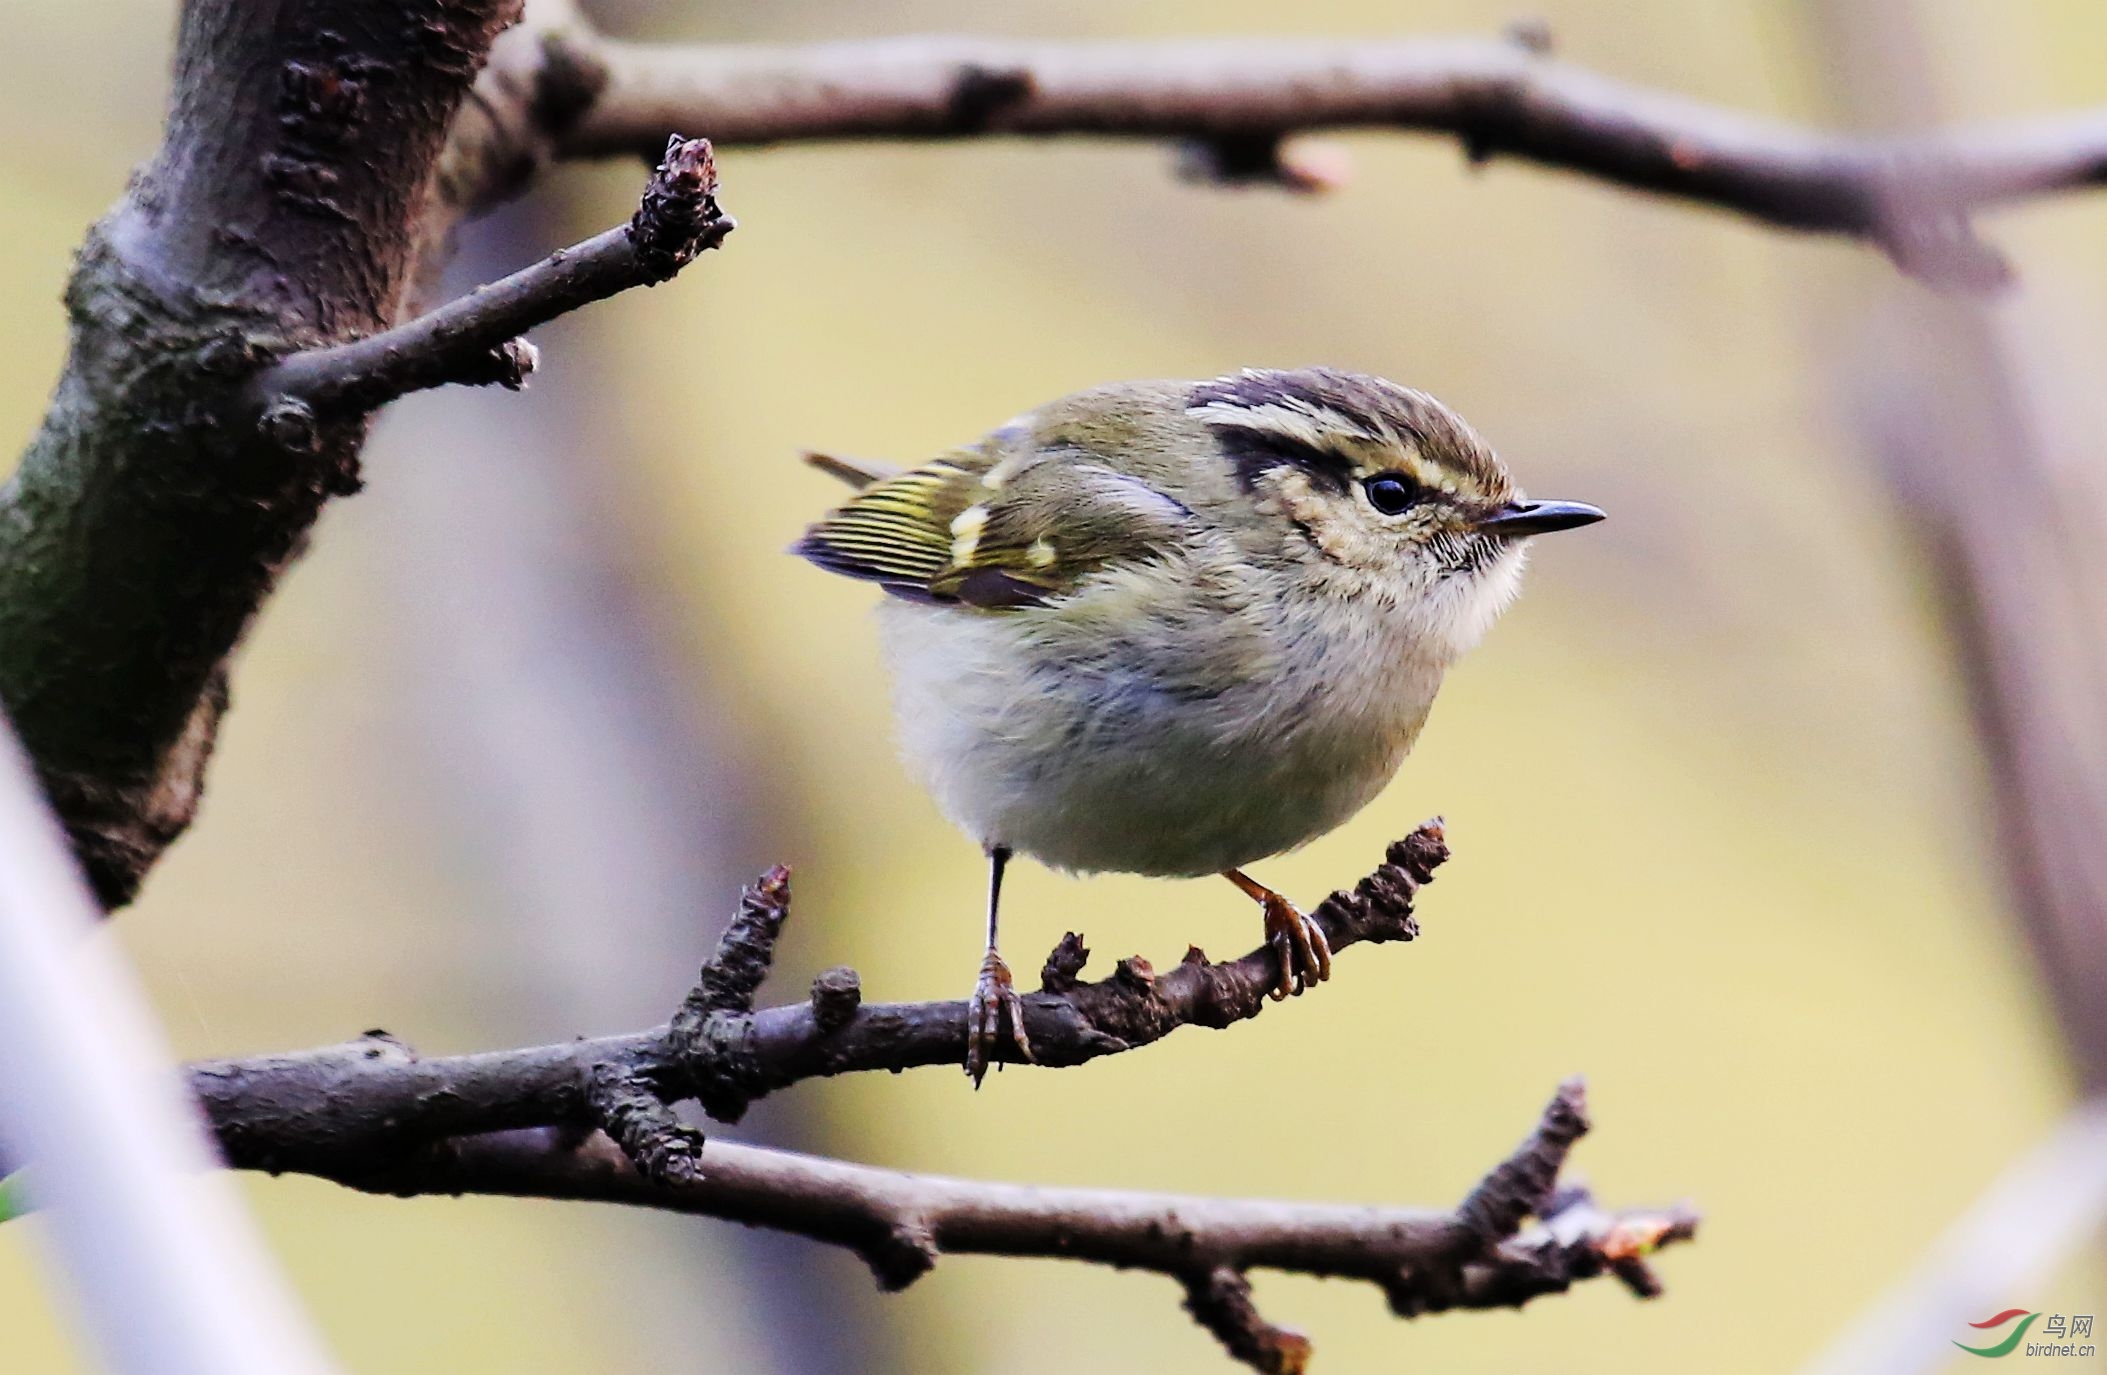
point(1155, 729)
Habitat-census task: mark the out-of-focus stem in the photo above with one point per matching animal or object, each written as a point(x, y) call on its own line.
point(165, 1270)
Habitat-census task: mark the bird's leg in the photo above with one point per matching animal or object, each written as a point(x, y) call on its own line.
point(1305, 955)
point(994, 992)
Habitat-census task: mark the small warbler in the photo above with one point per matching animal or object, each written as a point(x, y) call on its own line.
point(1172, 628)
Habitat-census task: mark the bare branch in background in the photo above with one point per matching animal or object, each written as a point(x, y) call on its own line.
point(1243, 102)
point(1966, 407)
point(1971, 414)
point(474, 340)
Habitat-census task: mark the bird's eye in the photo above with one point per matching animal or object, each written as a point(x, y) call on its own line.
point(1391, 493)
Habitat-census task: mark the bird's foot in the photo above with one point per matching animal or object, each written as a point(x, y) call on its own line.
point(1305, 955)
point(994, 993)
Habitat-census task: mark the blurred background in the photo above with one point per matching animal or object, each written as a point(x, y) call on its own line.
point(543, 695)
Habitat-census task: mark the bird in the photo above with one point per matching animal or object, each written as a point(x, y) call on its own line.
point(1173, 628)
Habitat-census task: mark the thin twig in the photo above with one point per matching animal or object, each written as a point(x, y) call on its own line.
point(474, 341)
point(1221, 1301)
point(1238, 100)
point(901, 1224)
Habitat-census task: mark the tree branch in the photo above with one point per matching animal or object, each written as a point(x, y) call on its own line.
point(235, 321)
point(595, 1120)
point(1239, 100)
point(150, 516)
point(901, 1224)
point(474, 340)
point(342, 1110)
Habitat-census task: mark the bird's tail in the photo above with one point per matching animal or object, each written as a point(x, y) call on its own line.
point(857, 472)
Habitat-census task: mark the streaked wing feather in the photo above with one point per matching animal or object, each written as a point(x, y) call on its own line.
point(942, 532)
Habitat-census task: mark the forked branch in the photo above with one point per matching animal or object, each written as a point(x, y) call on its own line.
point(596, 1120)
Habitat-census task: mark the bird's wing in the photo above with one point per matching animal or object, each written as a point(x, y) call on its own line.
point(994, 531)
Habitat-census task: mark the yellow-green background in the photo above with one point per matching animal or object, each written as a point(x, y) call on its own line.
point(1716, 815)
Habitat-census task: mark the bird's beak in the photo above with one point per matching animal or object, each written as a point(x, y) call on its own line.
point(1519, 518)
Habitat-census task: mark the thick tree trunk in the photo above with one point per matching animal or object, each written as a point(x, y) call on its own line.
point(158, 504)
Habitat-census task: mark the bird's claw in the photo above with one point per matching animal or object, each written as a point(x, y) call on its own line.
point(993, 994)
point(1305, 955)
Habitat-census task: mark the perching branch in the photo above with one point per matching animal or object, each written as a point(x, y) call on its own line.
point(345, 1111)
point(475, 340)
point(1241, 100)
point(595, 1120)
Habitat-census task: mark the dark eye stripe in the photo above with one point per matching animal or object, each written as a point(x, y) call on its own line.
point(1255, 452)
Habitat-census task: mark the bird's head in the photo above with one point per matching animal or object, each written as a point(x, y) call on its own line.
point(1379, 491)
